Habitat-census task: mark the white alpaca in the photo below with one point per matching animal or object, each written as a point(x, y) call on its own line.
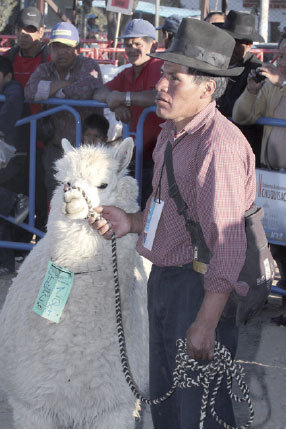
point(68, 375)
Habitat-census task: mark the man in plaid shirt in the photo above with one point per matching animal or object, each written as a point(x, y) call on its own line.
point(214, 168)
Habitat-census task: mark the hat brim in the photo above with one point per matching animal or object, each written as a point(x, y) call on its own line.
point(174, 57)
point(71, 43)
point(254, 37)
point(28, 23)
point(132, 36)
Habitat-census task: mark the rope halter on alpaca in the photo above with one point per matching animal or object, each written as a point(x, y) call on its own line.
point(214, 372)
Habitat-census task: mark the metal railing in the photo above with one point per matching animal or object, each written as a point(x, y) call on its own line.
point(68, 105)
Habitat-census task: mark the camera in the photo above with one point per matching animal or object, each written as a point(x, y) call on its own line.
point(259, 77)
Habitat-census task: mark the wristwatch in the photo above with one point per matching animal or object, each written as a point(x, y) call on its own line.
point(128, 98)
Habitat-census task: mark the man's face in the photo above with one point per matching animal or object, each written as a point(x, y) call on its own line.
point(216, 17)
point(179, 98)
point(4, 80)
point(62, 55)
point(241, 48)
point(282, 58)
point(27, 36)
point(137, 49)
point(92, 136)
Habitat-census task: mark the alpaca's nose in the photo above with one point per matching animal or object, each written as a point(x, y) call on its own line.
point(67, 186)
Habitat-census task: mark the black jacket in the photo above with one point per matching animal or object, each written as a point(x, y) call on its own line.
point(234, 89)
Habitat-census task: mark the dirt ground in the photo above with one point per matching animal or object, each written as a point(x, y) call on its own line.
point(261, 351)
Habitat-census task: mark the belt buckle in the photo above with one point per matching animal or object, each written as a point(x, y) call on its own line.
point(200, 267)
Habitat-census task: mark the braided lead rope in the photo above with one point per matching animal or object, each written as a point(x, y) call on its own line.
point(221, 365)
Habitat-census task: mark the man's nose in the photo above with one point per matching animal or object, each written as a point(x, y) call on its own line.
point(162, 84)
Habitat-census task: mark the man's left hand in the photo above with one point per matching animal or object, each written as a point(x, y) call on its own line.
point(200, 342)
point(272, 73)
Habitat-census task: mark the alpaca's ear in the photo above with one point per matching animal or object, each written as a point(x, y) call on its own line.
point(124, 153)
point(67, 145)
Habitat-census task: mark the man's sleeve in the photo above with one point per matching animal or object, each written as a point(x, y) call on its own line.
point(248, 107)
point(12, 109)
point(222, 197)
point(86, 83)
point(116, 83)
point(38, 86)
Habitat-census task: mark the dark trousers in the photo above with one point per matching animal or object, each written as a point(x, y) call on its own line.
point(13, 179)
point(175, 295)
point(7, 201)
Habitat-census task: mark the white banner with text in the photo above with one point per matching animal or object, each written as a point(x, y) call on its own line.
point(271, 195)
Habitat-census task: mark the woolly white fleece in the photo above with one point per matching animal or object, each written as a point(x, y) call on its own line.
point(69, 375)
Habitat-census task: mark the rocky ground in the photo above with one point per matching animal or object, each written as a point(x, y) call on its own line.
point(262, 352)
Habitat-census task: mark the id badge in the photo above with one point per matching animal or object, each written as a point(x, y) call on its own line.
point(54, 292)
point(151, 225)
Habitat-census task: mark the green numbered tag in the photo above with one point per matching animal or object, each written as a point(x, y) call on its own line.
point(54, 292)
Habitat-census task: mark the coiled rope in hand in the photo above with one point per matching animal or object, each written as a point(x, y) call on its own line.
point(214, 371)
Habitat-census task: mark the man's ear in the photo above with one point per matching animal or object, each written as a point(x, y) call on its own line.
point(209, 88)
point(42, 32)
point(154, 46)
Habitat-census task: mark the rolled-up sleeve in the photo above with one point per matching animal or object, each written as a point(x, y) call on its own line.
point(248, 107)
point(39, 84)
point(221, 202)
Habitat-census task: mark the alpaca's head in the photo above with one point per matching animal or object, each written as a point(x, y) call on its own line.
point(100, 172)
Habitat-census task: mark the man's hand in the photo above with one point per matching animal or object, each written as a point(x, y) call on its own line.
point(115, 99)
point(122, 113)
point(254, 87)
point(115, 220)
point(58, 85)
point(200, 342)
point(272, 73)
point(201, 334)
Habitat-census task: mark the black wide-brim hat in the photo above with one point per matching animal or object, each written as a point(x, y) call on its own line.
point(201, 46)
point(241, 26)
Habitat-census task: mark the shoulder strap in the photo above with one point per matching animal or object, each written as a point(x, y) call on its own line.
point(200, 248)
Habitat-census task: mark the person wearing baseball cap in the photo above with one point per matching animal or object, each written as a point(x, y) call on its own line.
point(133, 89)
point(67, 75)
point(29, 50)
point(91, 27)
point(27, 55)
point(170, 28)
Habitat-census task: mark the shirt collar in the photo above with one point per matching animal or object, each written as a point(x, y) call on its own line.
point(197, 122)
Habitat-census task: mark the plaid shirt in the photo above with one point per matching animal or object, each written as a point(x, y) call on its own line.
point(215, 170)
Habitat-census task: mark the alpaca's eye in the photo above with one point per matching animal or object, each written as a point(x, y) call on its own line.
point(102, 186)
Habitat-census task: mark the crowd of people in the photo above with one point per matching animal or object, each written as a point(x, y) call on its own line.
point(206, 74)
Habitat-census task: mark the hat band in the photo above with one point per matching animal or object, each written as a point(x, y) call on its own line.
point(184, 47)
point(240, 29)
